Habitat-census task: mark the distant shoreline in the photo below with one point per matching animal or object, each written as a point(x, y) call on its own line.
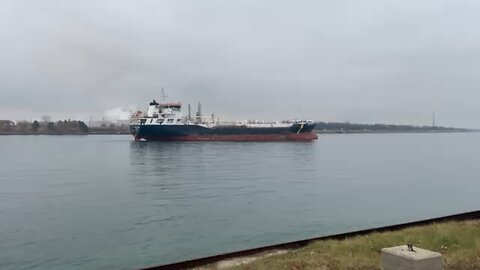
point(75, 127)
point(392, 131)
point(59, 134)
point(316, 131)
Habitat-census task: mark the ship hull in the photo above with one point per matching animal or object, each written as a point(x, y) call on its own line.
point(296, 132)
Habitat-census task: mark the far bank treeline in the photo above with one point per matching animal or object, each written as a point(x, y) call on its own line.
point(45, 127)
point(346, 127)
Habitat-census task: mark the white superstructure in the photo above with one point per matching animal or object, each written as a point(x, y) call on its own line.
point(171, 114)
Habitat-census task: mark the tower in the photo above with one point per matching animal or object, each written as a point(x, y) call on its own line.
point(189, 113)
point(199, 113)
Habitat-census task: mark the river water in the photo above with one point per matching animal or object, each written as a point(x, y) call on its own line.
point(106, 202)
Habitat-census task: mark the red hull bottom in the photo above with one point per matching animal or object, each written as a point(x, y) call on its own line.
point(236, 138)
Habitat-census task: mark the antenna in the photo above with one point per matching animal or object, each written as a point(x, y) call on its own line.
point(189, 113)
point(433, 121)
point(164, 95)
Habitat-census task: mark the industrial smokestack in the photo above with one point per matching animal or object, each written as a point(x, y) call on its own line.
point(199, 111)
point(198, 116)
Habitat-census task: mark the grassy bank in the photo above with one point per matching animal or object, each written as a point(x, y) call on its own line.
point(458, 242)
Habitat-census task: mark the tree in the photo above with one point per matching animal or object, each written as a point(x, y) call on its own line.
point(50, 126)
point(82, 127)
point(35, 126)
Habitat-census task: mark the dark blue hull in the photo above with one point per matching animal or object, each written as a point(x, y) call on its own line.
point(301, 132)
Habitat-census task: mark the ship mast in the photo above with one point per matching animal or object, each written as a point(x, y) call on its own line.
point(189, 112)
point(164, 95)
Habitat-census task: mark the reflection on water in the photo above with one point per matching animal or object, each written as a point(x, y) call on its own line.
point(186, 172)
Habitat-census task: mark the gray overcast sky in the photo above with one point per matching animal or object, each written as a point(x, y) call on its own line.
point(359, 61)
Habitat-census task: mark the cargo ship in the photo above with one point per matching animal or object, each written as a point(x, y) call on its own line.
point(166, 122)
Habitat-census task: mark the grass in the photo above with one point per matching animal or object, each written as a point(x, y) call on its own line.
point(458, 242)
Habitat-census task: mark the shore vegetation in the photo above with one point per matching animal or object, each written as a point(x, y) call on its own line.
point(43, 127)
point(458, 242)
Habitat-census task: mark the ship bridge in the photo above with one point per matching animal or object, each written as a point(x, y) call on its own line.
point(165, 113)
